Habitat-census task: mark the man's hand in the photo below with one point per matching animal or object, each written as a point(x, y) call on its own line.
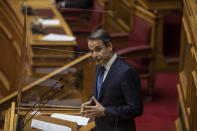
point(92, 111)
point(88, 103)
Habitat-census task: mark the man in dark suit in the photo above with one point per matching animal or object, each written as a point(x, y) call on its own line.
point(116, 99)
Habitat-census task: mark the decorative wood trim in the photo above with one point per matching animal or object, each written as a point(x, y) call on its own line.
point(4, 80)
point(194, 75)
point(17, 47)
point(185, 25)
point(127, 28)
point(182, 48)
point(190, 12)
point(147, 15)
point(183, 108)
point(128, 3)
point(183, 82)
point(194, 54)
point(160, 5)
point(12, 116)
point(9, 35)
point(6, 121)
point(178, 124)
point(48, 111)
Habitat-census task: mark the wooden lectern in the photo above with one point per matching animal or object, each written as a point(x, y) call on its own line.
point(11, 121)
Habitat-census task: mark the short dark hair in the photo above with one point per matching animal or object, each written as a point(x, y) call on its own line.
point(102, 35)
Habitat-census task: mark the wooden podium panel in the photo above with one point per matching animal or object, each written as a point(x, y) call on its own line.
point(11, 121)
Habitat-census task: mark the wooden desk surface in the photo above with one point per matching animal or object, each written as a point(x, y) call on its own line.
point(160, 4)
point(36, 39)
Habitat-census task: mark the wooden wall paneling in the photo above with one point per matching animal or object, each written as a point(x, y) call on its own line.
point(189, 98)
point(14, 13)
point(188, 75)
point(15, 5)
point(4, 81)
point(185, 42)
point(14, 10)
point(185, 56)
point(11, 22)
point(188, 66)
point(10, 37)
point(190, 8)
point(11, 28)
point(193, 86)
point(193, 101)
point(183, 114)
point(9, 58)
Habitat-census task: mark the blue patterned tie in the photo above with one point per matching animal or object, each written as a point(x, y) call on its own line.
point(100, 80)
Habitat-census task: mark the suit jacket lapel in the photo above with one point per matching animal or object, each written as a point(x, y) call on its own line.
point(108, 78)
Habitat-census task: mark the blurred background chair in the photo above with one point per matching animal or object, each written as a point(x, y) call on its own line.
point(140, 49)
point(171, 38)
point(82, 27)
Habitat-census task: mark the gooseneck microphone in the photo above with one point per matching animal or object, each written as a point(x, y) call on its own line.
point(39, 108)
point(44, 94)
point(57, 85)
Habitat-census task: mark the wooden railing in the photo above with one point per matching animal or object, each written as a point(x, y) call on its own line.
point(28, 87)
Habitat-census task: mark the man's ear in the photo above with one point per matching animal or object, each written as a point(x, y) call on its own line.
point(110, 46)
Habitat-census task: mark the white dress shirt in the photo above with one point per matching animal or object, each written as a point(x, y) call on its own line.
point(108, 65)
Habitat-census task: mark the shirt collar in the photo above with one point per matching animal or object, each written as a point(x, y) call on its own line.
point(110, 62)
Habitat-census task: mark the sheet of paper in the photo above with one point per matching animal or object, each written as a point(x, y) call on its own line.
point(37, 113)
point(78, 119)
point(48, 21)
point(57, 37)
point(45, 126)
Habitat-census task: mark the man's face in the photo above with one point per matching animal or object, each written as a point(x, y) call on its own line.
point(100, 53)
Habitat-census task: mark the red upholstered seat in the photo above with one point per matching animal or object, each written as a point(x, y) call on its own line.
point(141, 68)
point(138, 41)
point(140, 33)
point(140, 47)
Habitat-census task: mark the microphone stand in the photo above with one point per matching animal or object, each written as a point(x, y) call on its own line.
point(39, 108)
point(43, 96)
point(20, 125)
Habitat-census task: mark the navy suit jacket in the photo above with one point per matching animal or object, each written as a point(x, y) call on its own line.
point(121, 97)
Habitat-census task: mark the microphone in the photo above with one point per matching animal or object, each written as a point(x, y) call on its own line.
point(44, 94)
point(57, 91)
point(57, 85)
